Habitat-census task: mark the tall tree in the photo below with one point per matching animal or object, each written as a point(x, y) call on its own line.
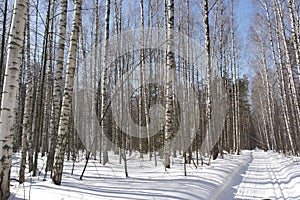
point(275, 102)
point(208, 72)
point(104, 87)
point(95, 74)
point(169, 114)
point(40, 97)
point(67, 97)
point(295, 111)
point(27, 110)
point(12, 70)
point(54, 121)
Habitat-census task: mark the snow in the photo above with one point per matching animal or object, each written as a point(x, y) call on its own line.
point(251, 175)
point(270, 175)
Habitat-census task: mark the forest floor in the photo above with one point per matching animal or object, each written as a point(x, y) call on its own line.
point(251, 175)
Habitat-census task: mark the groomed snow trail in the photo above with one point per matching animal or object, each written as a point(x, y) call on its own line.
point(269, 176)
point(253, 175)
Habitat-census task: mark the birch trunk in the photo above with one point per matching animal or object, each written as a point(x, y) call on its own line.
point(287, 98)
point(94, 97)
point(104, 123)
point(169, 114)
point(67, 97)
point(27, 110)
point(291, 83)
point(143, 96)
point(48, 88)
point(281, 84)
point(54, 120)
point(14, 57)
point(208, 74)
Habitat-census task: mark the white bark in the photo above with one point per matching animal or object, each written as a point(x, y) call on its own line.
point(208, 74)
point(169, 114)
point(54, 121)
point(291, 83)
point(67, 98)
point(10, 87)
point(279, 71)
point(266, 81)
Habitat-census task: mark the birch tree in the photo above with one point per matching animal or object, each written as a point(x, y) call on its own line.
point(27, 110)
point(67, 97)
point(104, 104)
point(279, 63)
point(14, 58)
point(291, 83)
point(169, 113)
point(54, 121)
point(31, 135)
point(276, 108)
point(208, 71)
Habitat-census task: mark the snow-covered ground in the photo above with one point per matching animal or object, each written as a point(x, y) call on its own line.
point(270, 175)
point(252, 175)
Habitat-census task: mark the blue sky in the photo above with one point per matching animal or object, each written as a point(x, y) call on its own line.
point(244, 13)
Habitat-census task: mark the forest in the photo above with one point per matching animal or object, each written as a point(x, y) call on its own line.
point(157, 78)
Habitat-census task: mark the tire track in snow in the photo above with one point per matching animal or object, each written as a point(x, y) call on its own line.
point(260, 180)
point(278, 191)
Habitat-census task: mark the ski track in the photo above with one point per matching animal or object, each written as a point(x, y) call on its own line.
point(270, 176)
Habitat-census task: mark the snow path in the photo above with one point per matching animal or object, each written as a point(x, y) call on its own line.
point(253, 175)
point(145, 181)
point(270, 176)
